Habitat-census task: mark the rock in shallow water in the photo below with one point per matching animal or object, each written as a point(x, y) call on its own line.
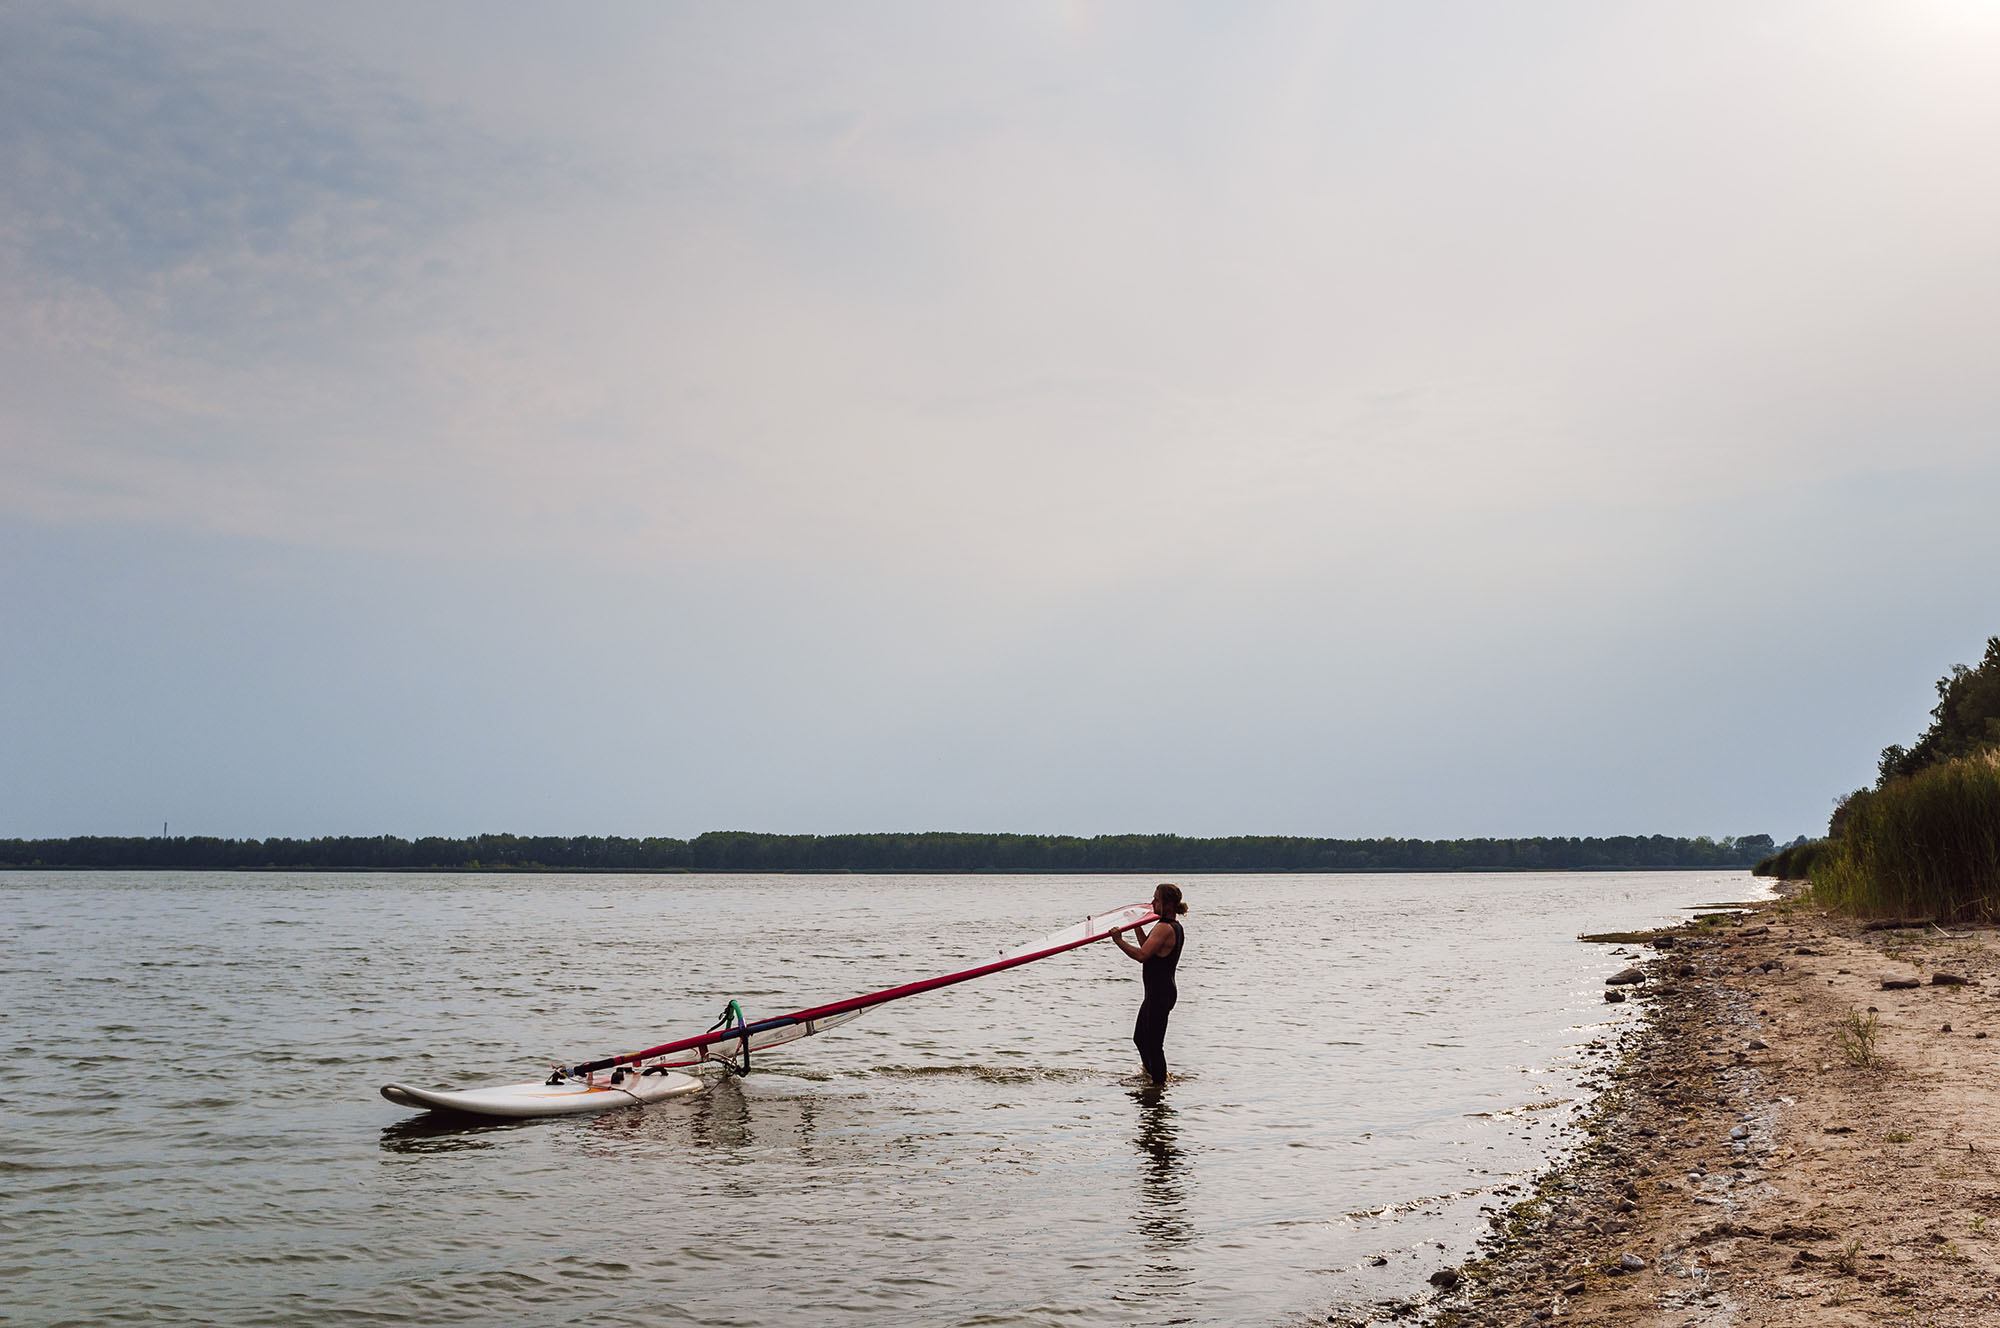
point(1624, 977)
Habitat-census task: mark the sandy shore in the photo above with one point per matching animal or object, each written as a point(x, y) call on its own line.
point(1747, 1164)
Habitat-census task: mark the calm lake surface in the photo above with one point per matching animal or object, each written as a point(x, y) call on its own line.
point(190, 1130)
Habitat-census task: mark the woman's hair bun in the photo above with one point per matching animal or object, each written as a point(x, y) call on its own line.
point(1181, 907)
point(1175, 904)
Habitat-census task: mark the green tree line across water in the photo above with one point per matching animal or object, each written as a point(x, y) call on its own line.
point(742, 851)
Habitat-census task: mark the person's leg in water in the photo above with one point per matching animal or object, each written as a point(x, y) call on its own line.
point(1149, 1034)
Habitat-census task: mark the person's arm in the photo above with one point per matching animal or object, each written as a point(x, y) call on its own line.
point(1136, 951)
point(1158, 945)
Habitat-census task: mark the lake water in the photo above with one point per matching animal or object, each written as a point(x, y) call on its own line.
point(190, 1130)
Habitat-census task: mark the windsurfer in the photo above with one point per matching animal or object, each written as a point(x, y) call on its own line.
point(1158, 953)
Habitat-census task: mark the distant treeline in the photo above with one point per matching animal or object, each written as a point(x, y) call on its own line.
point(741, 851)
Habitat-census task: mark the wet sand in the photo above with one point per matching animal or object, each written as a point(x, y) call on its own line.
point(1749, 1162)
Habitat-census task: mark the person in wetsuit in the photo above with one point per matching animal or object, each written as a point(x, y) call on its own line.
point(1158, 952)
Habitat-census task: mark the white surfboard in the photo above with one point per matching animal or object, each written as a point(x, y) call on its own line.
point(571, 1097)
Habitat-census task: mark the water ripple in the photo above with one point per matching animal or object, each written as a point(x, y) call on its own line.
point(1358, 1061)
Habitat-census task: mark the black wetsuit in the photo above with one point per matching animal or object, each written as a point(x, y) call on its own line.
point(1150, 1033)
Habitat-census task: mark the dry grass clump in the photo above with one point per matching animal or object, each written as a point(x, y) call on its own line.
point(1856, 1038)
point(1847, 1261)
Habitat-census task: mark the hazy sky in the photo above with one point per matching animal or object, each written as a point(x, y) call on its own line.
point(1371, 419)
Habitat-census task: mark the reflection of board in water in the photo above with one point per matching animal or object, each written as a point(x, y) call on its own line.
point(641, 1077)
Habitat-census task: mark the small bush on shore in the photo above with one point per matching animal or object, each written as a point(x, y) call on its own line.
point(1927, 844)
point(1856, 1038)
point(1847, 1262)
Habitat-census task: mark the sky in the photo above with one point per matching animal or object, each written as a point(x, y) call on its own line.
point(1373, 419)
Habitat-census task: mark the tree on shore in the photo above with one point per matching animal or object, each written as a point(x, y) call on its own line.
point(1925, 840)
point(1966, 720)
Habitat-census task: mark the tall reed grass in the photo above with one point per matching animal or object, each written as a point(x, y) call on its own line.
point(1926, 844)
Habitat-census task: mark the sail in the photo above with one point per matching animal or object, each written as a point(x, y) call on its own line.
point(730, 1041)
